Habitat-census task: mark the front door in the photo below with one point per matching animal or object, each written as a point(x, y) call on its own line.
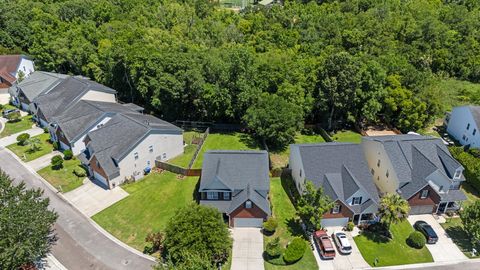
point(441, 207)
point(356, 218)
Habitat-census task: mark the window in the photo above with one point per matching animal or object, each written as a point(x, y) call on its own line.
point(135, 155)
point(336, 209)
point(226, 195)
point(212, 195)
point(372, 171)
point(98, 164)
point(440, 188)
point(164, 156)
point(474, 131)
point(387, 174)
point(458, 174)
point(463, 137)
point(148, 163)
point(24, 69)
point(300, 173)
point(150, 149)
point(378, 163)
point(424, 194)
point(468, 126)
point(248, 204)
point(356, 200)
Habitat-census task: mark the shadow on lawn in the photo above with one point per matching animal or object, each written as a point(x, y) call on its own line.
point(375, 237)
point(459, 237)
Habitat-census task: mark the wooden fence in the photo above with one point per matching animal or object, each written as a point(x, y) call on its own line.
point(178, 170)
point(199, 147)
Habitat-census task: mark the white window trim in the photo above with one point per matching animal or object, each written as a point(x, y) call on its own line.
point(424, 194)
point(356, 203)
point(248, 204)
point(228, 195)
point(212, 195)
point(336, 209)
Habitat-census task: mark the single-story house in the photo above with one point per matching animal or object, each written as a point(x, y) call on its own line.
point(419, 168)
point(237, 183)
point(342, 171)
point(66, 94)
point(126, 147)
point(23, 93)
point(70, 128)
point(463, 124)
point(14, 67)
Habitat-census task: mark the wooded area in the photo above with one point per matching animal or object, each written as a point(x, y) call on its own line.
point(333, 62)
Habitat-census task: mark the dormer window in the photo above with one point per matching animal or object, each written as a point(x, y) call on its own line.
point(212, 196)
point(458, 174)
point(424, 194)
point(248, 204)
point(226, 195)
point(356, 200)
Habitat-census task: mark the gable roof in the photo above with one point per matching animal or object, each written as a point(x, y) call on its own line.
point(37, 83)
point(8, 67)
point(340, 168)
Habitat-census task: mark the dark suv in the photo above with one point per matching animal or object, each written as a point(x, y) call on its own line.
point(427, 230)
point(7, 112)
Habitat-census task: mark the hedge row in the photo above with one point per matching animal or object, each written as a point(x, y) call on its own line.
point(470, 163)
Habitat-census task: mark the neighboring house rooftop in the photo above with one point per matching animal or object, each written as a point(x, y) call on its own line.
point(244, 173)
point(340, 168)
point(37, 83)
point(8, 67)
point(67, 93)
point(475, 113)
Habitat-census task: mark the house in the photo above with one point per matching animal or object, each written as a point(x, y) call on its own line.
point(342, 171)
point(67, 93)
point(419, 168)
point(463, 124)
point(72, 125)
point(127, 145)
point(23, 93)
point(237, 184)
point(13, 67)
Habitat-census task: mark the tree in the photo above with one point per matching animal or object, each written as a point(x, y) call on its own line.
point(471, 222)
point(274, 120)
point(34, 144)
point(198, 231)
point(192, 261)
point(22, 138)
point(393, 209)
point(26, 224)
point(57, 162)
point(312, 204)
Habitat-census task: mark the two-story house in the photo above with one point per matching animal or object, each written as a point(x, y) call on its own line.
point(419, 168)
point(237, 184)
point(342, 171)
point(14, 67)
point(463, 124)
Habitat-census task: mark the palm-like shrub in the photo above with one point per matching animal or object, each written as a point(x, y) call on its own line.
point(393, 209)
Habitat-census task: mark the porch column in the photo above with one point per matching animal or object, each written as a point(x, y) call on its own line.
point(360, 219)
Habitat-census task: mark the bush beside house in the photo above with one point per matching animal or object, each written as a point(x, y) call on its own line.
point(416, 240)
point(67, 154)
point(270, 225)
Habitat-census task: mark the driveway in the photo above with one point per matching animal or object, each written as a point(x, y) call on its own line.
point(444, 250)
point(91, 198)
point(247, 249)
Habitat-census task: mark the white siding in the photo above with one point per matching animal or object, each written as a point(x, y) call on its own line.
point(359, 193)
point(375, 151)
point(99, 96)
point(26, 66)
point(457, 127)
point(78, 146)
point(296, 166)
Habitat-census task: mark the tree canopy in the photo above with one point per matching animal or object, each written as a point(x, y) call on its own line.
point(312, 204)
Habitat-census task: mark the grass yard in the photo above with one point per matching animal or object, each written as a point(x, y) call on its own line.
point(288, 227)
point(64, 179)
point(472, 194)
point(23, 151)
point(15, 127)
point(151, 203)
point(347, 136)
point(188, 151)
point(393, 252)
point(225, 141)
point(456, 93)
point(280, 158)
point(454, 229)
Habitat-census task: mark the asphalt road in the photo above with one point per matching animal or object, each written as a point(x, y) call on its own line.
point(80, 244)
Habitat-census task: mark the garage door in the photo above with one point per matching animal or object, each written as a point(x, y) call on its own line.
point(421, 209)
point(248, 222)
point(334, 222)
point(100, 178)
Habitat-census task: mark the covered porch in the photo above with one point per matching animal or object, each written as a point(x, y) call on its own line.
point(449, 206)
point(365, 218)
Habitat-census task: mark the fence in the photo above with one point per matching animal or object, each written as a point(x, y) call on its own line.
point(199, 147)
point(213, 126)
point(178, 170)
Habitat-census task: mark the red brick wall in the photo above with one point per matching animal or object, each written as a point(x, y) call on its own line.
point(344, 212)
point(242, 212)
point(432, 198)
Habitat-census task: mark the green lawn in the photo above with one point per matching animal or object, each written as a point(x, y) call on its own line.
point(225, 141)
point(454, 229)
point(64, 179)
point(347, 136)
point(392, 252)
point(472, 194)
point(188, 151)
point(456, 93)
point(280, 158)
point(288, 227)
point(15, 127)
point(23, 151)
point(151, 203)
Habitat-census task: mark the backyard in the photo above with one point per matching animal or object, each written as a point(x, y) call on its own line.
point(393, 252)
point(454, 228)
point(24, 152)
point(64, 179)
point(347, 136)
point(288, 227)
point(15, 127)
point(151, 203)
point(280, 158)
point(188, 151)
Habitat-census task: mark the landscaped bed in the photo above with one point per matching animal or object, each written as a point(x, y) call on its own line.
point(64, 179)
point(151, 203)
point(288, 228)
point(454, 228)
point(188, 151)
point(24, 152)
point(15, 127)
point(391, 252)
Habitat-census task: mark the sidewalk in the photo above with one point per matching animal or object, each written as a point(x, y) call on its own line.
point(43, 161)
point(13, 138)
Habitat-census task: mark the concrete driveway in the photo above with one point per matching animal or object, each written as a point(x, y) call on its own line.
point(247, 249)
point(444, 250)
point(91, 198)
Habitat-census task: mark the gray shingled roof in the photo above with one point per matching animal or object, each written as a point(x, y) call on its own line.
point(476, 114)
point(122, 133)
point(66, 94)
point(244, 173)
point(38, 82)
point(340, 168)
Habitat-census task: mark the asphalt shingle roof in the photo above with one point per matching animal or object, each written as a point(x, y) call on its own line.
point(37, 83)
point(476, 114)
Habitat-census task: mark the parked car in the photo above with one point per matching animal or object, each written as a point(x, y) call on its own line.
point(426, 230)
point(325, 245)
point(7, 112)
point(342, 242)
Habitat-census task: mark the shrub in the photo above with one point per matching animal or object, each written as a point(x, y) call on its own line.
point(350, 226)
point(471, 164)
point(1, 107)
point(57, 162)
point(416, 240)
point(270, 225)
point(273, 248)
point(55, 145)
point(45, 130)
point(156, 241)
point(13, 117)
point(295, 250)
point(22, 138)
point(79, 173)
point(67, 154)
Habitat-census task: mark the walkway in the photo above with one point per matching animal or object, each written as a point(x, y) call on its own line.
point(82, 244)
point(247, 249)
point(43, 161)
point(13, 138)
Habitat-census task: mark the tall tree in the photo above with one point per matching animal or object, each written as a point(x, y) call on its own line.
point(471, 222)
point(393, 209)
point(312, 204)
